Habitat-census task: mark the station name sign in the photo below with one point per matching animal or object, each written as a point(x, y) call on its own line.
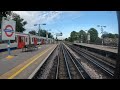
point(8, 29)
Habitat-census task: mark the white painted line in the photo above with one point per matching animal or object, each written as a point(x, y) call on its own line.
point(35, 71)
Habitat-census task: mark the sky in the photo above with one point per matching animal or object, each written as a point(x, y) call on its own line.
point(68, 21)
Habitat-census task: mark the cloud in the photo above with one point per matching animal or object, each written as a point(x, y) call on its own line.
point(41, 16)
point(37, 17)
point(48, 17)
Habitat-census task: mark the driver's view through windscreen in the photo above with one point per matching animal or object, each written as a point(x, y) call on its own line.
point(59, 45)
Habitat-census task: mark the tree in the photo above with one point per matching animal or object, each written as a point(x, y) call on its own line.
point(50, 35)
point(20, 23)
point(43, 33)
point(110, 35)
point(4, 14)
point(82, 36)
point(73, 35)
point(66, 39)
point(105, 34)
point(98, 41)
point(69, 39)
point(32, 32)
point(117, 35)
point(93, 34)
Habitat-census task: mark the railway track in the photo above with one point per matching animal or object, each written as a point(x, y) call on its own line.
point(62, 69)
point(64, 66)
point(101, 58)
point(59, 69)
point(74, 68)
point(71, 65)
point(106, 67)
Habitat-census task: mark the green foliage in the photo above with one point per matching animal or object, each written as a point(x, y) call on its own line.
point(73, 36)
point(43, 33)
point(82, 36)
point(93, 35)
point(69, 39)
point(4, 14)
point(98, 41)
point(116, 35)
point(50, 35)
point(66, 39)
point(32, 32)
point(20, 23)
point(110, 35)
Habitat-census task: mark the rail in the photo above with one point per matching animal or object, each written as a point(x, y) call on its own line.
point(105, 68)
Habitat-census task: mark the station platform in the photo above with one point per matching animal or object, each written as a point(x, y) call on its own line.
point(100, 47)
point(20, 64)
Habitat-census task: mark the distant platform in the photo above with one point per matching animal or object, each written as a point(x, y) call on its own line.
point(100, 47)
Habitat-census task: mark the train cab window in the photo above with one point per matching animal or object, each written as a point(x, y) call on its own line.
point(26, 39)
point(19, 39)
point(15, 38)
point(23, 39)
point(32, 39)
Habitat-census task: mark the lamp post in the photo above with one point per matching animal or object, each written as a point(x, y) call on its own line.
point(101, 31)
point(53, 36)
point(47, 35)
point(39, 28)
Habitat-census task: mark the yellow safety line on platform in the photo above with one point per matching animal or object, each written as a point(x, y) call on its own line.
point(9, 57)
point(16, 72)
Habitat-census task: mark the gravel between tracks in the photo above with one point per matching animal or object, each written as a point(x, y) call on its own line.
point(47, 66)
point(52, 72)
point(90, 69)
point(62, 68)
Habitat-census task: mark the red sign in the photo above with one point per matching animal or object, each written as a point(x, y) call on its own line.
point(9, 32)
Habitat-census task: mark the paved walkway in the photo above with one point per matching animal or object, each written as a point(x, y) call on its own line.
point(104, 48)
point(23, 63)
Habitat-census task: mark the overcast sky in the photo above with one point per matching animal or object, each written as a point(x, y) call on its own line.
point(67, 21)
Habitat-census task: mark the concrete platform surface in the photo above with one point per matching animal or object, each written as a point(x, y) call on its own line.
point(23, 64)
point(104, 48)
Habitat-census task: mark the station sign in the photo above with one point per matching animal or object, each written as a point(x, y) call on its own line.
point(58, 34)
point(8, 29)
